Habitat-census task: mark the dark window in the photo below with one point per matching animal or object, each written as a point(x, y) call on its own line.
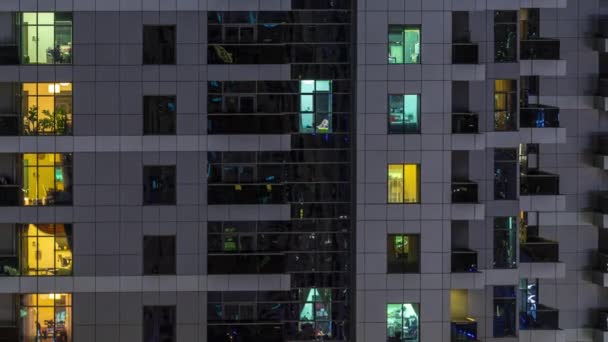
point(403, 253)
point(505, 174)
point(159, 115)
point(159, 184)
point(159, 324)
point(505, 242)
point(159, 44)
point(159, 255)
point(505, 299)
point(505, 36)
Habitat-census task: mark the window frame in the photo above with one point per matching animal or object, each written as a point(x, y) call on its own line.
point(416, 307)
point(154, 313)
point(159, 46)
point(158, 258)
point(392, 29)
point(151, 115)
point(403, 129)
point(403, 266)
point(172, 184)
point(403, 200)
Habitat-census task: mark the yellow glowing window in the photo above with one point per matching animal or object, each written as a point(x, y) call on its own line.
point(47, 108)
point(46, 249)
point(403, 183)
point(46, 317)
point(47, 178)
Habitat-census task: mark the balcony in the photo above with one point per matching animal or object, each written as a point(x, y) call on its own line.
point(601, 40)
point(545, 49)
point(601, 100)
point(537, 249)
point(465, 62)
point(464, 192)
point(541, 317)
point(600, 273)
point(539, 183)
point(601, 212)
point(464, 260)
point(600, 333)
point(465, 132)
point(465, 53)
point(465, 123)
point(463, 330)
point(539, 116)
point(541, 57)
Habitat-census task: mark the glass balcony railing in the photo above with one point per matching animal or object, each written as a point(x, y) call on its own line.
point(540, 49)
point(464, 192)
point(465, 123)
point(602, 145)
point(602, 87)
point(9, 265)
point(464, 260)
point(465, 330)
point(539, 317)
point(602, 262)
point(539, 183)
point(465, 53)
point(537, 249)
point(539, 116)
point(603, 202)
point(602, 320)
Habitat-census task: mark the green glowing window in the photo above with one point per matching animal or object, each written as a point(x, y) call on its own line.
point(315, 315)
point(403, 322)
point(403, 114)
point(315, 106)
point(46, 38)
point(403, 44)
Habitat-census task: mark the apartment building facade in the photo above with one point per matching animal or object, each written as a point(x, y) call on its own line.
point(303, 170)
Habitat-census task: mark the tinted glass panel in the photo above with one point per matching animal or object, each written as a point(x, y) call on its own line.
point(159, 45)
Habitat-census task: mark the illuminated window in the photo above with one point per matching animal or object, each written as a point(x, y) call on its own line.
point(403, 322)
point(403, 44)
point(315, 313)
point(46, 249)
point(46, 38)
point(47, 178)
point(47, 108)
point(404, 113)
point(46, 317)
point(315, 106)
point(403, 183)
point(403, 253)
point(505, 105)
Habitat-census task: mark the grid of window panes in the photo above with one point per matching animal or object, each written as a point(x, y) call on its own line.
point(46, 37)
point(46, 317)
point(505, 242)
point(46, 249)
point(403, 253)
point(403, 322)
point(404, 44)
point(404, 113)
point(47, 178)
point(313, 177)
point(279, 107)
point(403, 183)
point(303, 313)
point(307, 249)
point(46, 108)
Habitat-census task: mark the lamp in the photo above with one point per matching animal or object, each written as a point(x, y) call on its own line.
point(54, 88)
